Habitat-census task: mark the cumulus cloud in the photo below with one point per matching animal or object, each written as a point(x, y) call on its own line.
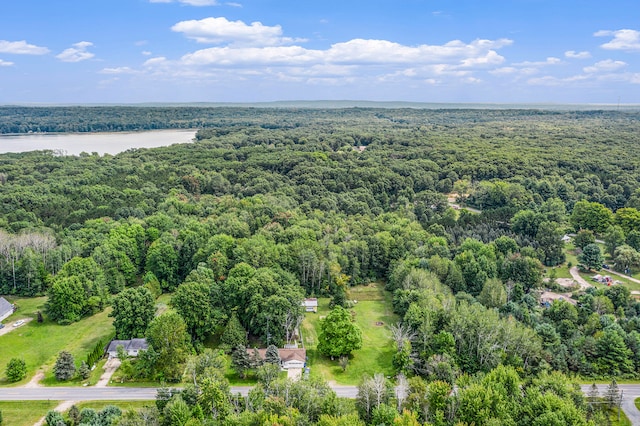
point(222, 31)
point(577, 55)
point(5, 63)
point(622, 39)
point(76, 53)
point(189, 2)
point(607, 65)
point(21, 48)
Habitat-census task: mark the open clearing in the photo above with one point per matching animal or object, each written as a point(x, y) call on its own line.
point(25, 413)
point(39, 343)
point(374, 315)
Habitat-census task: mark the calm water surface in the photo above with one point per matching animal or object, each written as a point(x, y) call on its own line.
point(102, 143)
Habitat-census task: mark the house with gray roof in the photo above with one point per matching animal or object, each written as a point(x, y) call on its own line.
point(6, 308)
point(132, 347)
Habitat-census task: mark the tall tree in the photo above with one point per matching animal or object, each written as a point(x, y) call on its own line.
point(591, 256)
point(168, 336)
point(133, 310)
point(339, 335)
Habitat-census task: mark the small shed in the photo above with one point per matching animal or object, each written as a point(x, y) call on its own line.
point(6, 308)
point(132, 347)
point(310, 305)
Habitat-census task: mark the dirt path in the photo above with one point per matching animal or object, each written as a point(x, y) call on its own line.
point(109, 368)
point(61, 408)
point(584, 284)
point(35, 380)
point(8, 328)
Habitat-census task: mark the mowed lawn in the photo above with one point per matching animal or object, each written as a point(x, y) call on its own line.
point(374, 315)
point(25, 413)
point(39, 343)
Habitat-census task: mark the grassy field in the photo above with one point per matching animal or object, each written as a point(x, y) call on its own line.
point(122, 405)
point(39, 343)
point(25, 413)
point(373, 313)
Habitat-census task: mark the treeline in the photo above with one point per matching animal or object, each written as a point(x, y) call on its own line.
point(272, 205)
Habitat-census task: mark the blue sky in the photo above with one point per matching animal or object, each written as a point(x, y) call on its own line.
point(504, 51)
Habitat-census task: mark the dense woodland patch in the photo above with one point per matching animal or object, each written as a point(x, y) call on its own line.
point(270, 205)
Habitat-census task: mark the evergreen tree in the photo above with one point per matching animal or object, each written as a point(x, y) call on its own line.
point(612, 396)
point(240, 360)
point(234, 333)
point(65, 367)
point(84, 370)
point(272, 355)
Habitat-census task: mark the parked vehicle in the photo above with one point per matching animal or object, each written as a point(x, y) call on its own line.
point(18, 323)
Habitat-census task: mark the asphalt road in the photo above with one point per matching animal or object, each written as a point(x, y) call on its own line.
point(630, 393)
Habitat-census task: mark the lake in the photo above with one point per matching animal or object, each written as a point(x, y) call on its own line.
point(102, 143)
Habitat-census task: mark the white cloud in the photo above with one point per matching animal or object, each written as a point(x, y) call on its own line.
point(5, 63)
point(21, 48)
point(146, 53)
point(607, 65)
point(549, 61)
point(76, 53)
point(189, 2)
point(577, 55)
point(118, 70)
point(622, 39)
point(221, 30)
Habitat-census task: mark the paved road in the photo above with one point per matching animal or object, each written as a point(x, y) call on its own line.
point(630, 393)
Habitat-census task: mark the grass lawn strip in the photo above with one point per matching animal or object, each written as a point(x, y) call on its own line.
point(39, 343)
point(373, 313)
point(25, 413)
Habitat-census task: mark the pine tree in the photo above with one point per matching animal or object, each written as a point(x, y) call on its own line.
point(234, 334)
point(84, 370)
point(65, 367)
point(240, 360)
point(612, 397)
point(272, 356)
point(255, 360)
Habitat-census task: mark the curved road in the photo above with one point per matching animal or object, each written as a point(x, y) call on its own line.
point(630, 393)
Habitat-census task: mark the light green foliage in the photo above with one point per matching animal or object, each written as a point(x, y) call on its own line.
point(613, 238)
point(493, 294)
point(591, 215)
point(583, 238)
point(192, 300)
point(16, 370)
point(234, 333)
point(168, 336)
point(338, 334)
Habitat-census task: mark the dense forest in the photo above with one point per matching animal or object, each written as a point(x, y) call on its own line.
point(270, 205)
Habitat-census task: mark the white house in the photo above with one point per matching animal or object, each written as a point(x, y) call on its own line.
point(310, 305)
point(132, 347)
point(289, 358)
point(6, 308)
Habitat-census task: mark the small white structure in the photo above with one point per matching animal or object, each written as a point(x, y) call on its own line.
point(566, 238)
point(310, 305)
point(132, 347)
point(6, 308)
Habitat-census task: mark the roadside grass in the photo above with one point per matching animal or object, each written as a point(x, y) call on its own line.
point(613, 418)
point(637, 403)
point(25, 413)
point(373, 313)
point(122, 405)
point(39, 343)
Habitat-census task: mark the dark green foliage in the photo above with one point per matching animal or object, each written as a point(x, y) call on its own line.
point(591, 256)
point(54, 418)
point(64, 368)
point(84, 371)
point(96, 353)
point(16, 370)
point(234, 333)
point(584, 238)
point(133, 310)
point(272, 356)
point(168, 336)
point(240, 360)
point(74, 415)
